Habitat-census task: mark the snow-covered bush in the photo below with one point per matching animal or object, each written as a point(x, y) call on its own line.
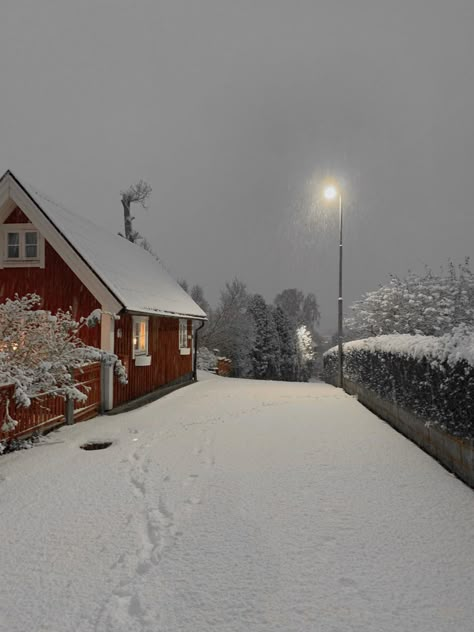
point(206, 359)
point(429, 304)
point(40, 350)
point(429, 375)
point(306, 353)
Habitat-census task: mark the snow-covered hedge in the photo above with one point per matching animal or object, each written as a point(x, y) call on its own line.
point(431, 376)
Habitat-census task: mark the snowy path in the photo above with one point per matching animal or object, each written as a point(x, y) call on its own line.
point(235, 506)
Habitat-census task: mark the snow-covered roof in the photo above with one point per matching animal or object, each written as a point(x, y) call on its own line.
point(137, 280)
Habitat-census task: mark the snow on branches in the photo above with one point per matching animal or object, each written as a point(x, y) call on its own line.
point(40, 350)
point(429, 304)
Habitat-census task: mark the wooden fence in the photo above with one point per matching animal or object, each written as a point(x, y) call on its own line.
point(47, 411)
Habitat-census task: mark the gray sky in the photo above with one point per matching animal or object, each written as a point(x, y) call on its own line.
point(234, 111)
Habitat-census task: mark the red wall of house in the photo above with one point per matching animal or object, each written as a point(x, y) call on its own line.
point(56, 283)
point(167, 364)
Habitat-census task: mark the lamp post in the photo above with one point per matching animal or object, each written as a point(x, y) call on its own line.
point(332, 193)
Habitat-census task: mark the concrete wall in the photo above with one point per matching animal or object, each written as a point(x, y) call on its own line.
point(454, 453)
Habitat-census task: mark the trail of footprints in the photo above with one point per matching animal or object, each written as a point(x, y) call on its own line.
point(157, 533)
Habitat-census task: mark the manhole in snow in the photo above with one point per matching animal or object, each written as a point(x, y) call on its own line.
point(96, 445)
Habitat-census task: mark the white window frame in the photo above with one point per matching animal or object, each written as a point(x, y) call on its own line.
point(183, 333)
point(22, 261)
point(135, 320)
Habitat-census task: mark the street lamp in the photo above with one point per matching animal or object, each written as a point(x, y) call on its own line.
point(332, 192)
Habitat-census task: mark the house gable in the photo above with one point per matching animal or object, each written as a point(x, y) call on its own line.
point(17, 217)
point(53, 281)
point(14, 200)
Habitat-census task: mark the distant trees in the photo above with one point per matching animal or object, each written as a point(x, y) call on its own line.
point(300, 309)
point(197, 294)
point(231, 329)
point(429, 304)
point(263, 341)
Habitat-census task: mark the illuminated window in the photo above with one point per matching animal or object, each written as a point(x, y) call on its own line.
point(140, 336)
point(183, 333)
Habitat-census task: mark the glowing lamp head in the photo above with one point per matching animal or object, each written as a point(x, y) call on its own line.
point(330, 193)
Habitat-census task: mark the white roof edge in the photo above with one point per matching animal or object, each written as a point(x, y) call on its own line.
point(159, 312)
point(135, 278)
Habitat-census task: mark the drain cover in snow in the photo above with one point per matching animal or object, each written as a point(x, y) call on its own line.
point(96, 445)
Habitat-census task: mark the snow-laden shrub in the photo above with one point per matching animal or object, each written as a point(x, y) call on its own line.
point(206, 359)
point(39, 352)
point(429, 304)
point(431, 376)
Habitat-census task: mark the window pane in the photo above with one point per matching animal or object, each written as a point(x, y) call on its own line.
point(13, 242)
point(31, 239)
point(183, 334)
point(31, 245)
point(142, 339)
point(140, 335)
point(136, 335)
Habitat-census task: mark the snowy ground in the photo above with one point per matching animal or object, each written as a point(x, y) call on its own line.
point(235, 506)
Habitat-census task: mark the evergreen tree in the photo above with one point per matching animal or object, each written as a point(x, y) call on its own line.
point(287, 343)
point(265, 354)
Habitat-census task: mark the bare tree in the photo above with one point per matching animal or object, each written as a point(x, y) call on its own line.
point(138, 193)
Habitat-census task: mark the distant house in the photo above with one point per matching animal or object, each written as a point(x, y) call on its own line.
point(73, 263)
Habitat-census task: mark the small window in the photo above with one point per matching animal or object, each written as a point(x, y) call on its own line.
point(140, 336)
point(13, 245)
point(22, 246)
point(183, 333)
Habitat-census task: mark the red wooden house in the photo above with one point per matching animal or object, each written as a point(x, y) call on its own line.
point(73, 263)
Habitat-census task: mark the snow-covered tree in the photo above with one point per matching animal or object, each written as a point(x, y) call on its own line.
point(265, 354)
point(287, 343)
point(138, 193)
point(39, 351)
point(230, 328)
point(306, 353)
point(429, 304)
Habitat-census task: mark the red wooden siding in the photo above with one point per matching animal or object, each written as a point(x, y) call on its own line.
point(167, 364)
point(17, 217)
point(46, 411)
point(88, 381)
point(56, 283)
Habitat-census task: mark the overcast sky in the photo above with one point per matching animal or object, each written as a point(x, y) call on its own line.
point(234, 111)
